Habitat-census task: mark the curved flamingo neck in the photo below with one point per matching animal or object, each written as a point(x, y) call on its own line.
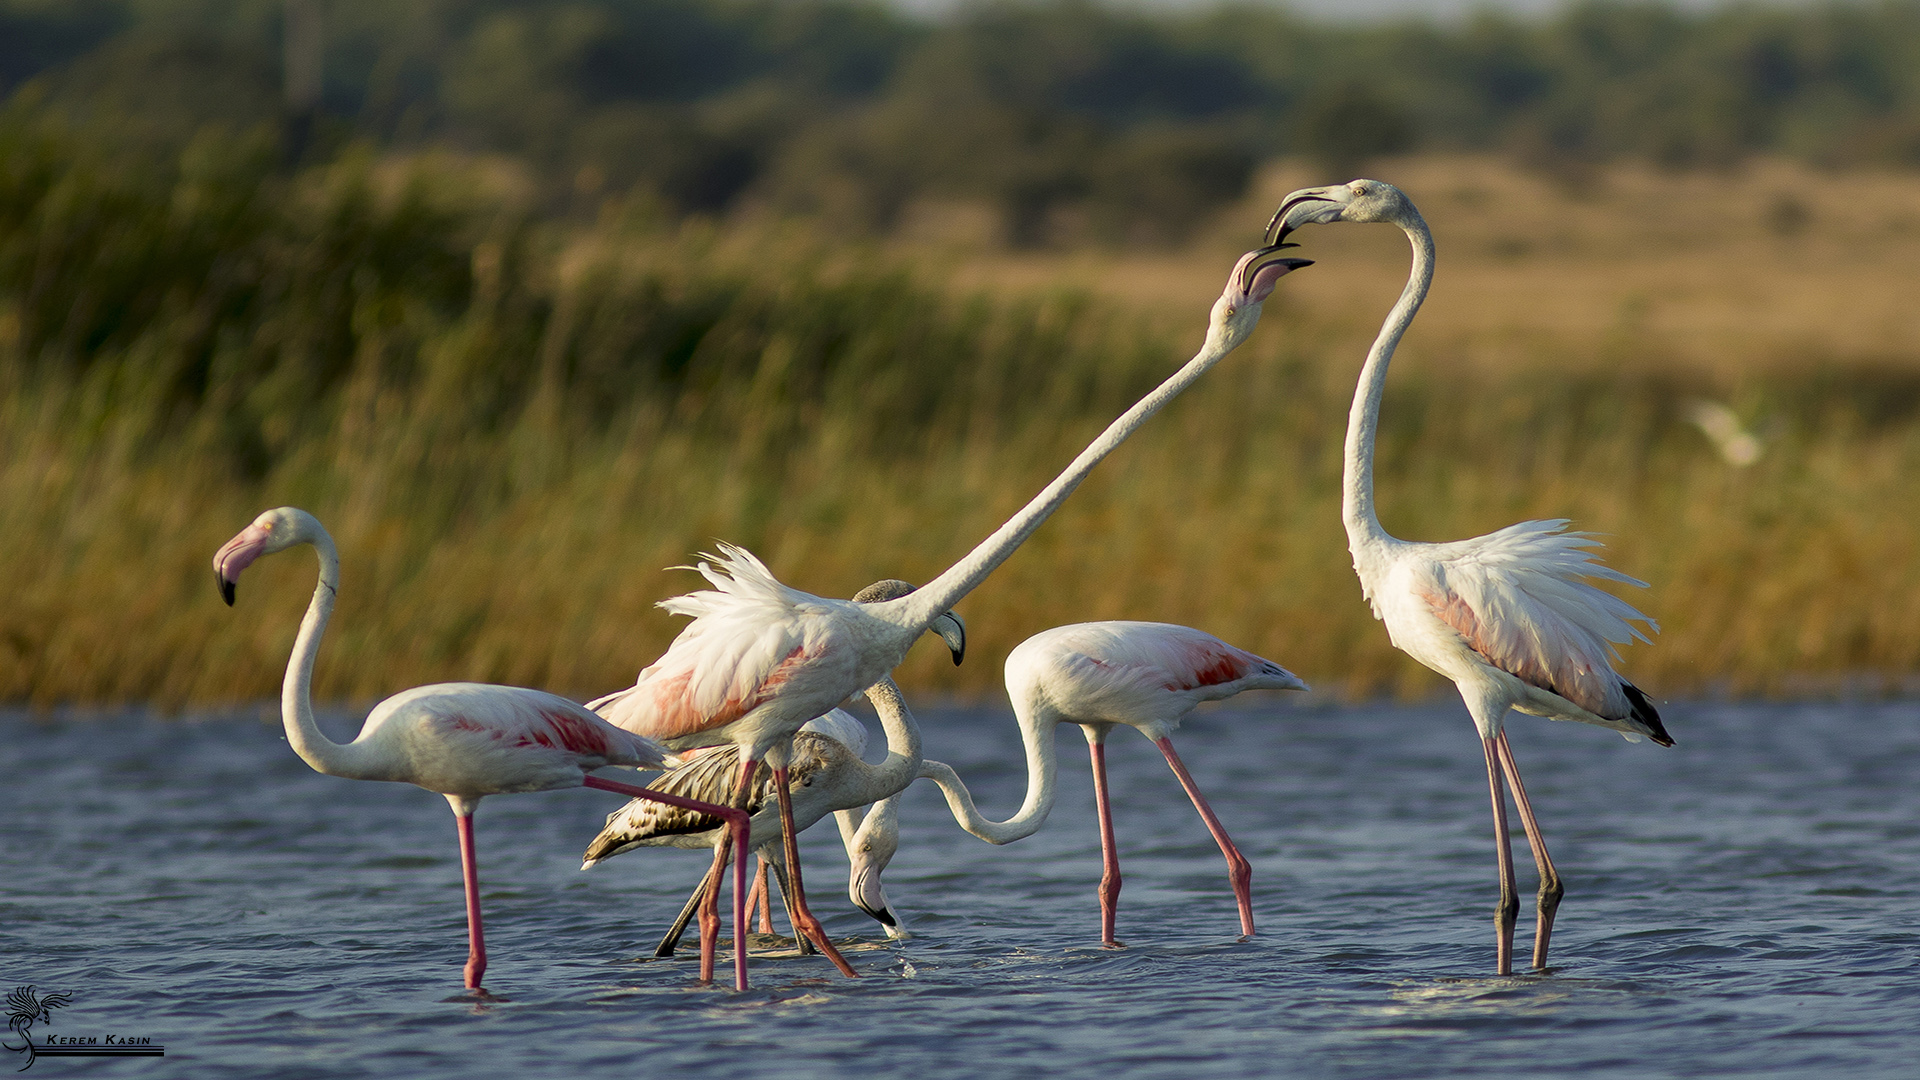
point(1036, 732)
point(902, 763)
point(918, 610)
point(296, 691)
point(1356, 498)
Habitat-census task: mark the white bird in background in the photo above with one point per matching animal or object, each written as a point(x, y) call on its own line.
point(462, 740)
point(1506, 616)
point(1148, 676)
point(1738, 447)
point(761, 659)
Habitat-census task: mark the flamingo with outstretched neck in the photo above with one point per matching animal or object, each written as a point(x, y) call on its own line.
point(760, 659)
point(462, 740)
point(1147, 676)
point(1506, 616)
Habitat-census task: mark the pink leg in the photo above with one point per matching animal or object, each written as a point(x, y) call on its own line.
point(761, 897)
point(1550, 888)
point(476, 942)
point(737, 820)
point(1109, 851)
point(1239, 870)
point(797, 896)
point(1508, 912)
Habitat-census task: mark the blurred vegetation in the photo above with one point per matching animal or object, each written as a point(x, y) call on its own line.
point(1077, 121)
point(512, 427)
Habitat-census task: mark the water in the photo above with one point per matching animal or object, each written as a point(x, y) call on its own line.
point(1743, 905)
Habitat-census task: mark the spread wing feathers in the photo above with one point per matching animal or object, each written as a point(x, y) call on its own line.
point(708, 777)
point(1517, 598)
point(748, 634)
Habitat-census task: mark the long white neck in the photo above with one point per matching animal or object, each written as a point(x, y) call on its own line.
point(296, 692)
point(918, 609)
point(902, 763)
point(1036, 732)
point(1356, 498)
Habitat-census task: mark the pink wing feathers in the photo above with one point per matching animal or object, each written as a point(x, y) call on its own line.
point(1141, 658)
point(749, 635)
point(1516, 598)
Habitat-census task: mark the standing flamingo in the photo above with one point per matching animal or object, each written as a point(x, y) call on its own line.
point(826, 764)
point(462, 740)
point(1506, 616)
point(1148, 676)
point(760, 659)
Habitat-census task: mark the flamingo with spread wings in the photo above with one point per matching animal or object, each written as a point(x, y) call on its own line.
point(760, 659)
point(1507, 616)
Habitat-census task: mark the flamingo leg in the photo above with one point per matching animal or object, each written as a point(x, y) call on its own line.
point(710, 912)
point(762, 897)
point(470, 869)
point(671, 942)
point(780, 876)
point(740, 827)
point(1109, 850)
point(1508, 912)
point(797, 895)
point(1550, 887)
point(1239, 870)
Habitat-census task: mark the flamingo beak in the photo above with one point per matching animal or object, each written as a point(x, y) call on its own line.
point(236, 555)
point(1299, 209)
point(1257, 272)
point(954, 633)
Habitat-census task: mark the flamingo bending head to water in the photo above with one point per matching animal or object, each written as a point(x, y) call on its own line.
point(760, 659)
point(462, 740)
point(1144, 675)
point(1509, 616)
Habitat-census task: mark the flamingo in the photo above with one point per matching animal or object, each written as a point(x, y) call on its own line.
point(827, 772)
point(826, 762)
point(462, 740)
point(1509, 616)
point(760, 659)
point(1145, 675)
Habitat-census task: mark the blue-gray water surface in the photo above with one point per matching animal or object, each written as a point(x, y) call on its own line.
point(1746, 904)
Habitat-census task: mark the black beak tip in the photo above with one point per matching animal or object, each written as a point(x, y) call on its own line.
point(883, 916)
point(226, 589)
point(959, 655)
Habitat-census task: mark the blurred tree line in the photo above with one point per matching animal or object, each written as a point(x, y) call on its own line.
point(1070, 118)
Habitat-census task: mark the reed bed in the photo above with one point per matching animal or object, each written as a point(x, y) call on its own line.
point(514, 430)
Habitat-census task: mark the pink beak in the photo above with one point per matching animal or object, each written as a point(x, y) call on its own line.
point(236, 555)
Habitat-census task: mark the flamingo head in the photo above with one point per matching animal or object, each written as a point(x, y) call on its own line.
point(946, 624)
point(1357, 200)
point(1238, 310)
point(871, 849)
point(275, 530)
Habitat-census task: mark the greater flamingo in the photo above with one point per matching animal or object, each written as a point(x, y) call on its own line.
point(462, 740)
point(1506, 616)
point(1148, 676)
point(826, 772)
point(760, 659)
point(826, 764)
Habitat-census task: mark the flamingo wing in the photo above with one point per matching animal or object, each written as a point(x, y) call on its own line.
point(708, 777)
point(748, 637)
point(1517, 598)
